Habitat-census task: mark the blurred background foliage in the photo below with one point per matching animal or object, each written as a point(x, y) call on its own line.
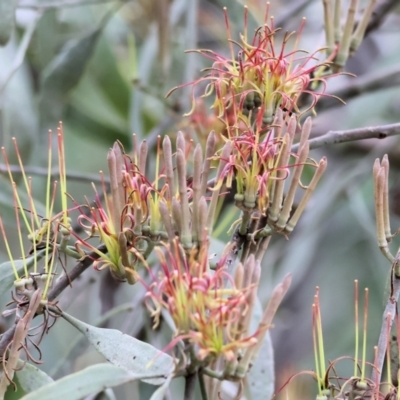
point(104, 67)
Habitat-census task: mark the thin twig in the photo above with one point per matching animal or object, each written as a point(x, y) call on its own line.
point(351, 135)
point(61, 284)
point(79, 268)
point(21, 333)
point(233, 248)
point(386, 325)
point(6, 339)
point(365, 84)
point(61, 4)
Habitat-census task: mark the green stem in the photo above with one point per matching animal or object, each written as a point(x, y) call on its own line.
point(69, 251)
point(202, 384)
point(149, 249)
point(245, 221)
point(213, 374)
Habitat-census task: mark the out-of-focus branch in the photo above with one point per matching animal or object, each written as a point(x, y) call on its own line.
point(55, 173)
point(61, 4)
point(365, 84)
point(351, 135)
point(291, 9)
point(378, 16)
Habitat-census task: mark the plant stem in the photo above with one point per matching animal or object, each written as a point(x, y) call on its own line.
point(246, 217)
point(369, 83)
point(351, 135)
point(190, 384)
point(61, 284)
point(202, 385)
point(386, 324)
point(381, 10)
point(79, 268)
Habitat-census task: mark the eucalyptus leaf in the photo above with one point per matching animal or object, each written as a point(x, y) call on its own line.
point(127, 352)
point(7, 273)
point(162, 390)
point(63, 74)
point(7, 209)
point(261, 378)
point(31, 378)
point(83, 383)
point(107, 394)
point(7, 19)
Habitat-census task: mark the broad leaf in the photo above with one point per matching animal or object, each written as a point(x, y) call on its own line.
point(7, 273)
point(261, 378)
point(63, 74)
point(7, 19)
point(83, 383)
point(7, 209)
point(159, 394)
point(127, 352)
point(31, 378)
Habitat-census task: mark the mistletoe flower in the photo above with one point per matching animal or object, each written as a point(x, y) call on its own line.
point(113, 224)
point(259, 77)
point(212, 312)
point(260, 161)
point(47, 232)
point(129, 222)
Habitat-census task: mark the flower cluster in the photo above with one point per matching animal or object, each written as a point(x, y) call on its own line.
point(211, 311)
point(258, 79)
point(48, 233)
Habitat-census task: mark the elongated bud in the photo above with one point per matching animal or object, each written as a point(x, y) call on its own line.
point(358, 34)
point(196, 186)
point(288, 203)
point(166, 218)
point(226, 151)
point(328, 23)
point(176, 215)
point(115, 166)
point(310, 189)
point(202, 231)
point(344, 46)
point(143, 157)
point(180, 142)
point(169, 169)
point(266, 321)
point(284, 154)
point(386, 216)
point(185, 234)
point(205, 172)
point(379, 184)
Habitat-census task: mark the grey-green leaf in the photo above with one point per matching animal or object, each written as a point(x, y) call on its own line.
point(83, 383)
point(261, 378)
point(7, 273)
point(63, 74)
point(159, 394)
point(31, 378)
point(7, 19)
point(127, 352)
